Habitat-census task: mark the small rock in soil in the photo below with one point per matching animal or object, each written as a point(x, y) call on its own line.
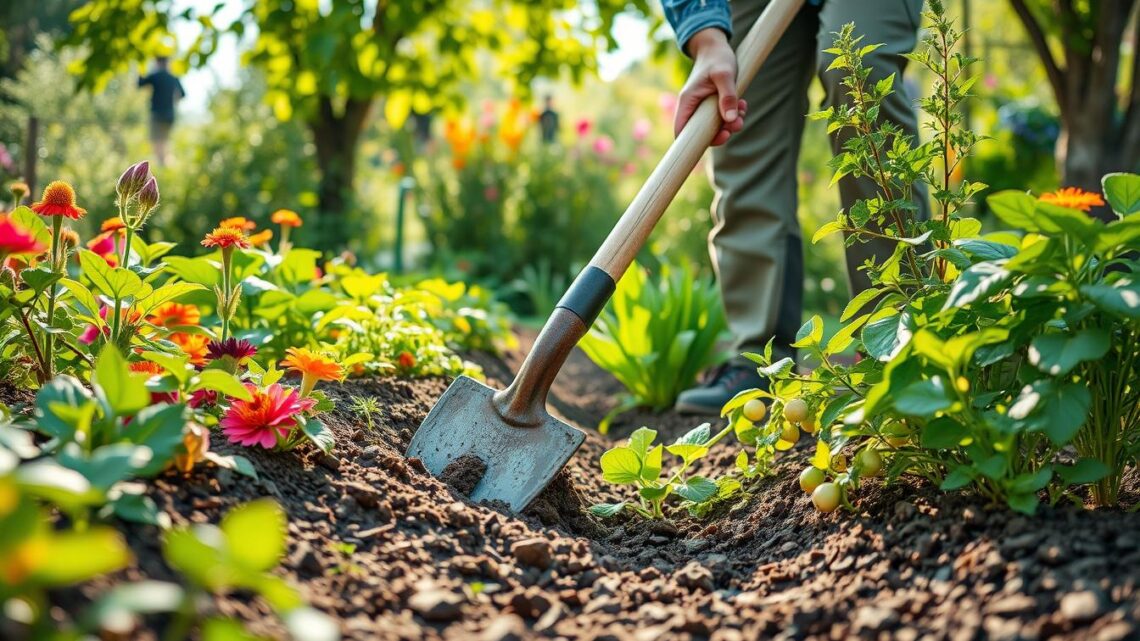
point(1082, 606)
point(695, 577)
point(464, 473)
point(505, 627)
point(435, 604)
point(533, 552)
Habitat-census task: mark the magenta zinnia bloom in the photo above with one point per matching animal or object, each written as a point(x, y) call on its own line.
point(270, 413)
point(237, 349)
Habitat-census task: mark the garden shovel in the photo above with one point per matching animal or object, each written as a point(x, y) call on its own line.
point(522, 446)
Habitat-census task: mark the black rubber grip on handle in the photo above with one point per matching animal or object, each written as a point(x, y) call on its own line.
point(588, 294)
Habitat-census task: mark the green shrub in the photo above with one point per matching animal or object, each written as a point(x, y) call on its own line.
point(656, 335)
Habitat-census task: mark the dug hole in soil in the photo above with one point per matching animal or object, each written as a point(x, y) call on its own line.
point(393, 553)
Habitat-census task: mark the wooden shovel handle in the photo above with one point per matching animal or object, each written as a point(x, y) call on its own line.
point(523, 403)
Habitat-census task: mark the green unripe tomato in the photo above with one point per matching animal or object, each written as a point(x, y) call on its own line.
point(796, 410)
point(825, 497)
point(790, 433)
point(869, 463)
point(811, 478)
point(755, 410)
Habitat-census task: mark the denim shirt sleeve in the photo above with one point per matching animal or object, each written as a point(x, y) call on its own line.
point(690, 16)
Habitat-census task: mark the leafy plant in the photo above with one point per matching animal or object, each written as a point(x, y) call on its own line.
point(639, 463)
point(656, 335)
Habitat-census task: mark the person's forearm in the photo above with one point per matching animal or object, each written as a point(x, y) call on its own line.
point(689, 17)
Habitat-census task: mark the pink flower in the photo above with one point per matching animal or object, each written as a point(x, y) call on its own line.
point(629, 169)
point(603, 145)
point(583, 127)
point(270, 414)
point(641, 129)
point(668, 104)
point(202, 398)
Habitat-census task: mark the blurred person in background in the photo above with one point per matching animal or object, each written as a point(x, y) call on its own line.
point(165, 92)
point(548, 120)
point(755, 244)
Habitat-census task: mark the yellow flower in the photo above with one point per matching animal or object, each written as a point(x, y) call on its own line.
point(226, 237)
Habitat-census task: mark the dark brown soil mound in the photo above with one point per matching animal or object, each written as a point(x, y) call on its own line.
point(425, 563)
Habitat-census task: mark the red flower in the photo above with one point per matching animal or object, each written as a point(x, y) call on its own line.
point(14, 239)
point(202, 398)
point(225, 237)
point(270, 414)
point(406, 360)
point(59, 200)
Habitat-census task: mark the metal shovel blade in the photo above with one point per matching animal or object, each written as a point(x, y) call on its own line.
point(520, 461)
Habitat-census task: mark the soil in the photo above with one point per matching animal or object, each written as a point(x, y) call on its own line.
point(913, 563)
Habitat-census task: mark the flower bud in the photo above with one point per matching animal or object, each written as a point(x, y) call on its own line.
point(148, 195)
point(19, 190)
point(132, 179)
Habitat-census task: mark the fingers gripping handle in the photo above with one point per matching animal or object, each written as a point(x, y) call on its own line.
point(523, 404)
point(632, 230)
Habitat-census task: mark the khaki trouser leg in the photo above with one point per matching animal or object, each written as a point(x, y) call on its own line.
point(755, 243)
point(895, 24)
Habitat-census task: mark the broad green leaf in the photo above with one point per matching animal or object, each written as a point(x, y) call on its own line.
point(1086, 470)
point(651, 464)
point(778, 369)
point(1121, 298)
point(859, 301)
point(57, 484)
point(158, 427)
point(78, 556)
point(699, 435)
point(80, 294)
point(1057, 354)
point(985, 249)
point(826, 230)
point(200, 270)
point(958, 478)
point(843, 338)
point(687, 452)
point(165, 294)
point(1015, 208)
point(621, 465)
point(216, 629)
point(697, 489)
point(923, 398)
point(60, 392)
point(222, 382)
point(32, 223)
point(977, 282)
point(255, 534)
point(655, 492)
point(319, 434)
point(641, 439)
point(1058, 411)
point(1122, 191)
point(943, 433)
point(122, 392)
point(113, 282)
point(1025, 503)
point(810, 334)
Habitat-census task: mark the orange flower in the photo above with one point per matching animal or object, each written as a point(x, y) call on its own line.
point(226, 237)
point(406, 360)
point(147, 367)
point(195, 444)
point(113, 224)
point(194, 345)
point(1073, 198)
point(261, 238)
point(175, 314)
point(239, 222)
point(59, 200)
point(313, 367)
point(286, 218)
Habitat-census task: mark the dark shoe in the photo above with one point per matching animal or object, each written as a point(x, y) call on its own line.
point(725, 382)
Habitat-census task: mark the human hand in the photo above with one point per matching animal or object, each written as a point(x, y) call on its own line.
point(714, 73)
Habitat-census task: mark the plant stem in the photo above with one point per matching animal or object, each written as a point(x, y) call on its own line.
point(127, 247)
point(56, 267)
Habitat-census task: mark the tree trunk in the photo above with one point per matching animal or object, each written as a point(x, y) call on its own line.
point(336, 137)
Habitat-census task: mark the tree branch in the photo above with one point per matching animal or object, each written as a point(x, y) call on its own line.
point(1053, 70)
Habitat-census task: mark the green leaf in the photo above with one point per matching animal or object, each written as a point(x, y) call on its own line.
point(222, 382)
point(943, 433)
point(1025, 503)
point(106, 465)
point(826, 230)
point(958, 478)
point(697, 489)
point(237, 463)
point(1086, 470)
point(121, 392)
point(113, 282)
point(78, 556)
point(1057, 354)
point(651, 464)
point(778, 369)
point(59, 393)
point(1058, 411)
point(859, 301)
point(165, 294)
point(986, 249)
point(822, 457)
point(924, 398)
point(158, 427)
point(641, 439)
point(699, 435)
point(978, 282)
point(606, 510)
point(33, 223)
point(84, 297)
point(810, 334)
point(200, 270)
point(1121, 298)
point(1122, 191)
point(39, 278)
point(255, 534)
point(1015, 208)
point(319, 434)
point(215, 629)
point(57, 484)
point(621, 465)
point(884, 337)
point(655, 492)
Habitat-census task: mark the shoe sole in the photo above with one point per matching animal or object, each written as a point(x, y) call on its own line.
point(695, 410)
